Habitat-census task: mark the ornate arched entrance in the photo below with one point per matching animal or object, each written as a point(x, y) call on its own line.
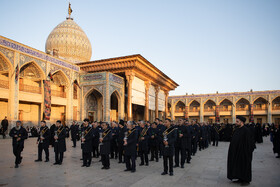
point(115, 106)
point(94, 106)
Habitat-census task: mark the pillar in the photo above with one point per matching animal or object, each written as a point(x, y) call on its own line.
point(172, 109)
point(233, 112)
point(269, 109)
point(166, 103)
point(13, 102)
point(147, 87)
point(201, 113)
point(157, 88)
point(106, 99)
point(129, 78)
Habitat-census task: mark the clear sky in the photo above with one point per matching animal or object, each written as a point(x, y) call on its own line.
point(203, 45)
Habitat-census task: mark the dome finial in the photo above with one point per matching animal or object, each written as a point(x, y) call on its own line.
point(69, 11)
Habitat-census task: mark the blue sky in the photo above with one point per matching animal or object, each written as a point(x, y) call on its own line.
point(203, 45)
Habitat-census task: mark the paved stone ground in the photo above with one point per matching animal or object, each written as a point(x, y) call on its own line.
point(207, 168)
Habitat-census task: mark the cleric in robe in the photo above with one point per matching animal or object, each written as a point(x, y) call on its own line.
point(239, 165)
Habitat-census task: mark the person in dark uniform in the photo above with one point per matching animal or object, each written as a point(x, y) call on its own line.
point(130, 141)
point(169, 138)
point(180, 145)
point(59, 142)
point(105, 145)
point(52, 135)
point(95, 140)
point(194, 137)
point(114, 145)
point(121, 132)
point(86, 143)
point(143, 143)
point(43, 142)
point(160, 128)
point(215, 134)
point(275, 134)
point(19, 134)
point(189, 135)
point(154, 144)
point(4, 124)
point(74, 128)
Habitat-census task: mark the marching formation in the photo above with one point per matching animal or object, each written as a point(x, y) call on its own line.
point(176, 142)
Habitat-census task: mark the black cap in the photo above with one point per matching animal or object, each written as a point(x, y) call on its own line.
point(241, 118)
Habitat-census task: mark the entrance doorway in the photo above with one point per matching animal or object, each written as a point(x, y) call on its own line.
point(91, 116)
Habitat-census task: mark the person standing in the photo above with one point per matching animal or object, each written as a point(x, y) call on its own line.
point(105, 145)
point(240, 152)
point(4, 125)
point(169, 138)
point(154, 144)
point(19, 134)
point(143, 144)
point(43, 142)
point(95, 140)
point(215, 134)
point(59, 142)
point(74, 128)
point(195, 129)
point(121, 133)
point(86, 143)
point(130, 141)
point(276, 140)
point(180, 145)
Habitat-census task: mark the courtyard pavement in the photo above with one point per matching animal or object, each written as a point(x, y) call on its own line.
point(207, 168)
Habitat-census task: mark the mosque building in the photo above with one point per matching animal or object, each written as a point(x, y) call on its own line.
point(63, 84)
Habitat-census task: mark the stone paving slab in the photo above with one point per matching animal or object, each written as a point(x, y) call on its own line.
point(207, 168)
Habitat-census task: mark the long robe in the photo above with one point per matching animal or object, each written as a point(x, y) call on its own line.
point(240, 154)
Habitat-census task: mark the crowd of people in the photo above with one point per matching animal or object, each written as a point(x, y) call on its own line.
point(127, 140)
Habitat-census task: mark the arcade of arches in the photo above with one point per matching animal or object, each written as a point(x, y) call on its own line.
point(261, 107)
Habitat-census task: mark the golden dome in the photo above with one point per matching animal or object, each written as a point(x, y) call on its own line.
point(70, 41)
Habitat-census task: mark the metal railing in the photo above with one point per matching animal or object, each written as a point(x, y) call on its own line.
point(242, 109)
point(259, 108)
point(194, 110)
point(31, 89)
point(209, 109)
point(179, 110)
point(4, 84)
point(58, 93)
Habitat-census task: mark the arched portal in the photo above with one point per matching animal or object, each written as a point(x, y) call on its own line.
point(114, 106)
point(226, 105)
point(209, 106)
point(194, 106)
point(260, 104)
point(59, 84)
point(94, 106)
point(180, 107)
point(242, 105)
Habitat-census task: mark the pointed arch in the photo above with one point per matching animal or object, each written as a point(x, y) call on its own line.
point(194, 102)
point(194, 106)
point(242, 100)
point(65, 81)
point(92, 90)
point(209, 100)
point(225, 100)
point(180, 106)
point(180, 100)
point(5, 63)
point(242, 104)
point(33, 67)
point(276, 103)
point(260, 99)
point(209, 106)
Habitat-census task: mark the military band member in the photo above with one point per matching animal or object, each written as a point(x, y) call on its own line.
point(181, 144)
point(143, 143)
point(169, 138)
point(19, 134)
point(43, 142)
point(114, 145)
point(195, 129)
point(95, 140)
point(105, 145)
point(59, 142)
point(86, 143)
point(215, 134)
point(74, 128)
point(121, 133)
point(130, 142)
point(154, 142)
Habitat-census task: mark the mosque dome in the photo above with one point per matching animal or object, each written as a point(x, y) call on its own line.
point(69, 41)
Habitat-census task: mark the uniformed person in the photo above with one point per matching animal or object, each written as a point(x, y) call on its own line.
point(74, 128)
point(121, 133)
point(130, 142)
point(169, 138)
point(154, 142)
point(105, 145)
point(19, 134)
point(180, 145)
point(59, 142)
point(43, 141)
point(143, 143)
point(95, 140)
point(86, 143)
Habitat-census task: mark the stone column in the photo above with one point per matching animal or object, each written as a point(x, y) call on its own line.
point(69, 106)
point(107, 99)
point(166, 103)
point(157, 88)
point(147, 87)
point(13, 102)
point(269, 109)
point(233, 112)
point(172, 109)
point(129, 78)
point(201, 113)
